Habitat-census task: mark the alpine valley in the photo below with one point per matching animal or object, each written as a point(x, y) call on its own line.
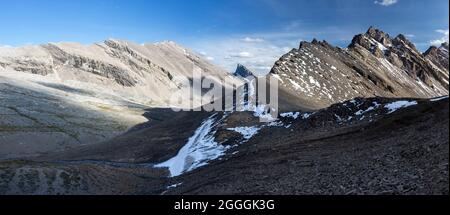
point(371, 118)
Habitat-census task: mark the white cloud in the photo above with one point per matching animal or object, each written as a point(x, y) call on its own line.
point(443, 39)
point(241, 55)
point(386, 2)
point(252, 40)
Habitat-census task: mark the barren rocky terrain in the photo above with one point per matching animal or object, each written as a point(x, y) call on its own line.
point(338, 150)
point(368, 119)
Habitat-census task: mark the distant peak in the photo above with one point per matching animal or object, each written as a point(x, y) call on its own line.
point(314, 42)
point(403, 38)
point(379, 35)
point(113, 40)
point(434, 51)
point(317, 42)
point(373, 35)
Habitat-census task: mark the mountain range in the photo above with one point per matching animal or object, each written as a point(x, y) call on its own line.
point(371, 118)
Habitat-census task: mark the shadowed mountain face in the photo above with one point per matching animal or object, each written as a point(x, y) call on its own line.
point(148, 73)
point(368, 119)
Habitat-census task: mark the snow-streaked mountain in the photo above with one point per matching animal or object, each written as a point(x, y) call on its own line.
point(374, 64)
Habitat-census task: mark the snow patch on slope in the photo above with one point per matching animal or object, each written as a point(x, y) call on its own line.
point(394, 106)
point(199, 150)
point(246, 132)
point(439, 98)
point(371, 108)
point(259, 110)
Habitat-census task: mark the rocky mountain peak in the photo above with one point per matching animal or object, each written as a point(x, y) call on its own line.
point(304, 43)
point(379, 36)
point(401, 53)
point(401, 37)
point(112, 42)
point(438, 57)
point(242, 71)
point(315, 41)
point(373, 65)
point(433, 50)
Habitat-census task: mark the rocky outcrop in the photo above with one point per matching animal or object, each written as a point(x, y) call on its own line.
point(362, 146)
point(61, 95)
point(153, 71)
point(405, 152)
point(69, 118)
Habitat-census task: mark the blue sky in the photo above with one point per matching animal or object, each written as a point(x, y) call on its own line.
point(253, 32)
